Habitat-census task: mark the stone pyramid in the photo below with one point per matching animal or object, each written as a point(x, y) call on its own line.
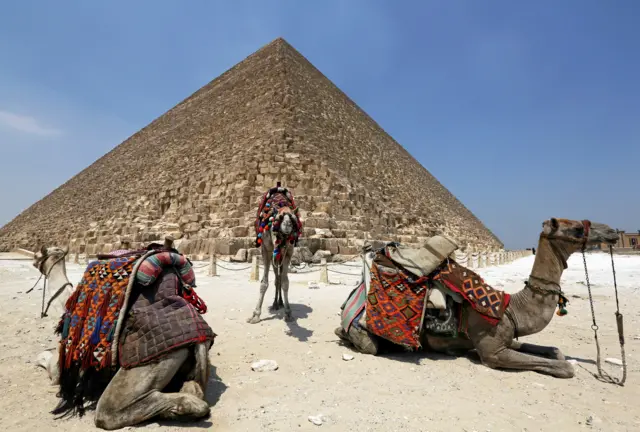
point(198, 172)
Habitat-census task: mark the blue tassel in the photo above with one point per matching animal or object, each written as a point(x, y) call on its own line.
point(65, 327)
point(111, 333)
point(95, 337)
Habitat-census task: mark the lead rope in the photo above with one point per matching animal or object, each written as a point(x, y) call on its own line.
point(603, 376)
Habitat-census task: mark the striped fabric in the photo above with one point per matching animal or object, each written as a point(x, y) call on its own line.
point(153, 266)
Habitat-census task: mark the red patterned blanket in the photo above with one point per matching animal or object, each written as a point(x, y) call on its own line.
point(394, 306)
point(489, 302)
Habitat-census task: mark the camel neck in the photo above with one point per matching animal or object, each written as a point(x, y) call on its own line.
point(57, 279)
point(550, 262)
point(533, 310)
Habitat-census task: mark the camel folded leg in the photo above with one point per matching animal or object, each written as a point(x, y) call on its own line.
point(511, 359)
point(539, 350)
point(135, 395)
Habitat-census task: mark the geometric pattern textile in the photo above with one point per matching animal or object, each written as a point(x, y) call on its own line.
point(155, 265)
point(394, 306)
point(489, 302)
point(92, 313)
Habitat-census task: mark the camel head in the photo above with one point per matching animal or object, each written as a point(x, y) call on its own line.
point(288, 224)
point(46, 258)
point(574, 234)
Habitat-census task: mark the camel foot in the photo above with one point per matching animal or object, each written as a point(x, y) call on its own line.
point(187, 407)
point(192, 388)
point(288, 317)
point(43, 359)
point(274, 308)
point(254, 319)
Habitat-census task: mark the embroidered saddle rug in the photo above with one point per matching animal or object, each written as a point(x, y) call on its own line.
point(394, 306)
point(488, 302)
point(165, 319)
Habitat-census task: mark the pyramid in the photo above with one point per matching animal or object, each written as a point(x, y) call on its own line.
point(198, 171)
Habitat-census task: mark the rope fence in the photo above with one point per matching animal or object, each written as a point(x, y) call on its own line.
point(472, 260)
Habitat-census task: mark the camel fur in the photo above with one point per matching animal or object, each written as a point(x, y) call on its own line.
point(135, 395)
point(529, 310)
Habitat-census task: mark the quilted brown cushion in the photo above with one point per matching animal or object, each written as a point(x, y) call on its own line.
point(159, 321)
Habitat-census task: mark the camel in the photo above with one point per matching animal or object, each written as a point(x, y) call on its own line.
point(284, 230)
point(529, 311)
point(137, 394)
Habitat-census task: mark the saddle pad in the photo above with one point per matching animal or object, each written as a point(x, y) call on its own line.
point(489, 302)
point(154, 265)
point(159, 321)
point(92, 311)
point(353, 306)
point(394, 306)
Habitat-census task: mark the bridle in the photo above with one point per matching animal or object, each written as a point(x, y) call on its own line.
point(601, 375)
point(45, 309)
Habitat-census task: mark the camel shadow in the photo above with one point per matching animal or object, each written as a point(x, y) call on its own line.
point(390, 351)
point(299, 311)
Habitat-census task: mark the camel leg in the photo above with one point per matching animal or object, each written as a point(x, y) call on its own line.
point(49, 362)
point(362, 340)
point(277, 300)
point(284, 281)
point(510, 359)
point(539, 350)
point(198, 378)
point(264, 284)
point(453, 347)
point(135, 395)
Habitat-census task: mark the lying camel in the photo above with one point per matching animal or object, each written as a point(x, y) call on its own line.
point(528, 312)
point(139, 393)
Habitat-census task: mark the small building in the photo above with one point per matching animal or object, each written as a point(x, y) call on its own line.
point(626, 240)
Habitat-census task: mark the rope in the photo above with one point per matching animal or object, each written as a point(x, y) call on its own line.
point(602, 375)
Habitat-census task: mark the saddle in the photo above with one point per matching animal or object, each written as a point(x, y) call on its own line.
point(406, 291)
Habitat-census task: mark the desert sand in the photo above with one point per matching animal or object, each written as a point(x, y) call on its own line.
point(397, 392)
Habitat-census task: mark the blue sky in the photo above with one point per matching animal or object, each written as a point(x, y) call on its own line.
point(523, 110)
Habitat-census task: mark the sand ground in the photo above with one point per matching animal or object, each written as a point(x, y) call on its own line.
point(422, 392)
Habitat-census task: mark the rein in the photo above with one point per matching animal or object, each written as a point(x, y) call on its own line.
point(44, 310)
point(601, 375)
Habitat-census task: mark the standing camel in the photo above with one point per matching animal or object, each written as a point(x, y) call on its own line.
point(139, 393)
point(278, 228)
point(529, 311)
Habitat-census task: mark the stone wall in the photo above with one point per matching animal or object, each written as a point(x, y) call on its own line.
point(198, 172)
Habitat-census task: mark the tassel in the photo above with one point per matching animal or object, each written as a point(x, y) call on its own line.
point(65, 326)
point(112, 332)
point(562, 311)
point(95, 337)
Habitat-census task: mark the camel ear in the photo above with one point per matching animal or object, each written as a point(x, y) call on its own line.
point(554, 224)
point(65, 250)
point(43, 250)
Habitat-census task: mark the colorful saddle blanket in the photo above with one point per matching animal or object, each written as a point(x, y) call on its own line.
point(274, 205)
point(489, 302)
point(394, 306)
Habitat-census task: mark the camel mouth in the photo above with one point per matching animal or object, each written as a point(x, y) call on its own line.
point(601, 233)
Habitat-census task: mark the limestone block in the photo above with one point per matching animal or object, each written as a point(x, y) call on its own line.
point(319, 255)
point(240, 231)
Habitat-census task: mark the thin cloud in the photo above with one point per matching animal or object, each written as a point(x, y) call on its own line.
point(26, 124)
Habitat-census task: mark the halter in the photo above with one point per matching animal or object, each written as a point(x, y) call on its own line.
point(44, 310)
